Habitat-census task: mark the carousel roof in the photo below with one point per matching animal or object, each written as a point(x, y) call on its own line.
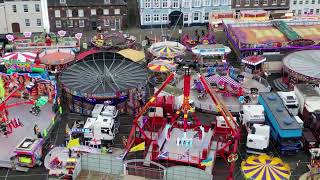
point(103, 74)
point(56, 56)
point(306, 63)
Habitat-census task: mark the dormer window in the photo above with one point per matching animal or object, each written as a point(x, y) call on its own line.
point(63, 1)
point(107, 1)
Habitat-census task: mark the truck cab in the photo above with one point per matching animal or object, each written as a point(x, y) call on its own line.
point(290, 101)
point(258, 137)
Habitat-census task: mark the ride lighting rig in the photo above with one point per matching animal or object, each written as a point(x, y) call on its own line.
point(231, 139)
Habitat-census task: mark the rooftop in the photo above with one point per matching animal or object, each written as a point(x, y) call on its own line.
point(307, 90)
point(275, 104)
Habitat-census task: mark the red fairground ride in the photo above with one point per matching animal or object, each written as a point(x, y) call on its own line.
point(181, 137)
point(4, 106)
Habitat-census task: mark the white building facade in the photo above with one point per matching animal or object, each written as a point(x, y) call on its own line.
point(155, 13)
point(25, 16)
point(3, 23)
point(305, 7)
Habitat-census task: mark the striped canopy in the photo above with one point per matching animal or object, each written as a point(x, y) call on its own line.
point(161, 66)
point(264, 167)
point(254, 60)
point(225, 79)
point(167, 49)
point(20, 56)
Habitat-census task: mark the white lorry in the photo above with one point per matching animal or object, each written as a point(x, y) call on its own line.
point(309, 101)
point(290, 100)
point(258, 136)
point(103, 126)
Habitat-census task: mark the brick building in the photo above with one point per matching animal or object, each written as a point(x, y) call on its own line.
point(85, 15)
point(275, 7)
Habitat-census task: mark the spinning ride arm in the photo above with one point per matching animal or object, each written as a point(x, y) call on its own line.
point(234, 129)
point(221, 108)
point(131, 137)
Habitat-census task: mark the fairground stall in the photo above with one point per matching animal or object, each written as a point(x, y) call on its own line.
point(133, 55)
point(114, 41)
point(159, 70)
point(254, 64)
point(301, 67)
point(36, 43)
point(167, 49)
point(254, 15)
point(56, 59)
point(210, 54)
point(103, 78)
point(277, 36)
point(216, 19)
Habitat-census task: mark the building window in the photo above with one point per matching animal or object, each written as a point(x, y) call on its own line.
point(164, 17)
point(216, 2)
point(117, 11)
point(224, 2)
point(299, 12)
point(147, 18)
point(197, 3)
point(106, 12)
point(317, 11)
point(81, 23)
point(265, 2)
point(307, 2)
point(14, 8)
point(93, 12)
point(295, 2)
point(99, 12)
point(313, 1)
point(70, 23)
point(294, 12)
point(283, 1)
point(156, 3)
point(311, 11)
point(25, 8)
point(206, 16)
point(156, 17)
point(38, 22)
point(196, 17)
point(175, 3)
point(300, 2)
point(247, 2)
point(186, 3)
point(256, 2)
point(185, 17)
point(206, 2)
point(69, 13)
point(237, 2)
point(58, 24)
point(80, 12)
point(318, 1)
point(37, 7)
point(57, 13)
point(274, 2)
point(164, 3)
point(147, 4)
point(106, 22)
point(63, 1)
point(27, 21)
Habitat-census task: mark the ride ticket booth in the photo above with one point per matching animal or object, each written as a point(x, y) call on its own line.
point(29, 152)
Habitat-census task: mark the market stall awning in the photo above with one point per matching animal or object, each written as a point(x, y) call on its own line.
point(254, 60)
point(161, 66)
point(167, 49)
point(20, 56)
point(264, 167)
point(211, 50)
point(132, 54)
